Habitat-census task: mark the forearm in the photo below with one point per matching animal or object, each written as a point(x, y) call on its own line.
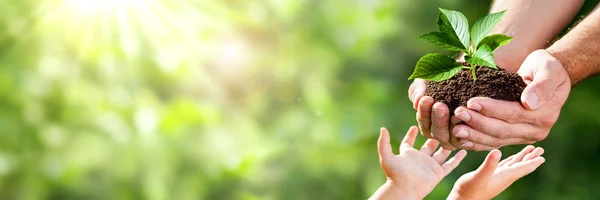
point(532, 23)
point(392, 191)
point(579, 50)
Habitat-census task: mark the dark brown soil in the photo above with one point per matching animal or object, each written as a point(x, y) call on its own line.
point(492, 83)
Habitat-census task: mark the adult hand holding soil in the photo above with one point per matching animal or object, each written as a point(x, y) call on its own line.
point(491, 124)
point(433, 118)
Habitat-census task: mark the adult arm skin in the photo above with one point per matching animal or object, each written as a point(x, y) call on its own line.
point(532, 23)
point(578, 50)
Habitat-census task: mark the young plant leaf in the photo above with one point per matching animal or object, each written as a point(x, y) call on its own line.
point(483, 26)
point(444, 40)
point(495, 41)
point(436, 67)
point(454, 23)
point(482, 57)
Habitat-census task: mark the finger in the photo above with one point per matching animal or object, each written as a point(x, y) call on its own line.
point(440, 122)
point(523, 168)
point(495, 127)
point(429, 147)
point(503, 162)
point(470, 145)
point(487, 168)
point(453, 162)
point(455, 142)
point(383, 144)
point(466, 132)
point(544, 80)
point(511, 112)
point(416, 91)
point(409, 138)
point(447, 146)
point(519, 156)
point(537, 152)
point(424, 115)
point(440, 155)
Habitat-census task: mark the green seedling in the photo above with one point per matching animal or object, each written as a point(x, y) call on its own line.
point(454, 35)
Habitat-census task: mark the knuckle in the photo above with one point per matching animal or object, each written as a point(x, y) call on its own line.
point(540, 136)
point(498, 144)
point(530, 142)
point(548, 121)
point(504, 133)
point(478, 122)
point(513, 116)
point(440, 122)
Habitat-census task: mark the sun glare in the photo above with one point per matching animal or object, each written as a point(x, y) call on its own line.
point(170, 32)
point(95, 6)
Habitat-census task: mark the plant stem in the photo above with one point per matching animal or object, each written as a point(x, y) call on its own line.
point(473, 72)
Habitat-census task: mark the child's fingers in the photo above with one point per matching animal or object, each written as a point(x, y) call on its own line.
point(453, 162)
point(489, 165)
point(519, 156)
point(503, 162)
point(411, 136)
point(383, 144)
point(441, 155)
point(523, 168)
point(429, 147)
point(535, 153)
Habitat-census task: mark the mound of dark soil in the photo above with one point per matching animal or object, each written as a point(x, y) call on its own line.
point(492, 83)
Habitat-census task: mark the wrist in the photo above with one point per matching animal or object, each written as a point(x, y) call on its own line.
point(394, 190)
point(562, 56)
point(403, 190)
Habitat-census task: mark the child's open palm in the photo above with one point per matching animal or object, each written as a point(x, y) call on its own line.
point(491, 178)
point(419, 170)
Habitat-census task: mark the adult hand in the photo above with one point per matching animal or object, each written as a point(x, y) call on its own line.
point(433, 118)
point(491, 178)
point(491, 124)
point(413, 173)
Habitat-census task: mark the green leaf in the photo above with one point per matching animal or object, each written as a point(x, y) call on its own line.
point(436, 67)
point(495, 41)
point(444, 40)
point(483, 26)
point(482, 57)
point(454, 23)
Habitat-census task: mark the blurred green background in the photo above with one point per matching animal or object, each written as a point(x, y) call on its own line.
point(233, 99)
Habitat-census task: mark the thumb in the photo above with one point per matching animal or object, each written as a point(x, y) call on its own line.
point(545, 74)
point(487, 168)
point(539, 91)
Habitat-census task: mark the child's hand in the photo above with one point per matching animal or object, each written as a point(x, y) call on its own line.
point(414, 173)
point(492, 177)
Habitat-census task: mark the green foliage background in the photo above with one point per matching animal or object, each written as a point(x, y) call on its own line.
point(233, 99)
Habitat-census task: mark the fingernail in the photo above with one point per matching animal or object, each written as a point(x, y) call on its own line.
point(462, 134)
point(474, 106)
point(438, 113)
point(464, 116)
point(467, 144)
point(532, 100)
